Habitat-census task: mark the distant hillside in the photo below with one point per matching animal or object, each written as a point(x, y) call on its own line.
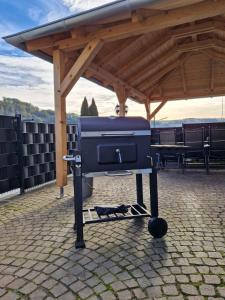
point(178, 123)
point(12, 106)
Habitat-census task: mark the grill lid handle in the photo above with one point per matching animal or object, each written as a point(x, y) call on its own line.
point(118, 134)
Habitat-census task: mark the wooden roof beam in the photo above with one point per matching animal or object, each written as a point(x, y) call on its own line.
point(133, 92)
point(124, 47)
point(153, 114)
point(173, 17)
point(160, 77)
point(200, 45)
point(138, 77)
point(80, 66)
point(149, 51)
point(211, 53)
point(195, 29)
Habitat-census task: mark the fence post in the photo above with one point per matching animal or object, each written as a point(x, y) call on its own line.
point(20, 151)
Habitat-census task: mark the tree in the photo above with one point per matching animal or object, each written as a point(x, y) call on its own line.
point(84, 108)
point(93, 110)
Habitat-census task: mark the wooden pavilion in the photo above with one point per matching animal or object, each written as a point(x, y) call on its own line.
point(145, 50)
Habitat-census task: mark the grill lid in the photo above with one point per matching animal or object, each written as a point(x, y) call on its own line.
point(114, 126)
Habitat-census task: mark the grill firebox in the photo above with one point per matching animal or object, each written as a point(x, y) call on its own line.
point(109, 147)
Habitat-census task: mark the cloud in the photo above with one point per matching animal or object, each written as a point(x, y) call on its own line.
point(81, 5)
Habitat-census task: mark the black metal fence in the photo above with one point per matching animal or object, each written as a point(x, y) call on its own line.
point(27, 153)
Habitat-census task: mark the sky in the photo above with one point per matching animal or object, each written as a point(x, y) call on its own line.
point(30, 79)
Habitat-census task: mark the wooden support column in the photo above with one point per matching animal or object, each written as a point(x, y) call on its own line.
point(148, 110)
point(60, 120)
point(64, 82)
point(122, 98)
point(152, 115)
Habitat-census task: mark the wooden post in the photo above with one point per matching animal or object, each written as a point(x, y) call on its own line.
point(60, 120)
point(148, 110)
point(122, 98)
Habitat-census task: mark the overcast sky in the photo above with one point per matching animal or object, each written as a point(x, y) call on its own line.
point(31, 79)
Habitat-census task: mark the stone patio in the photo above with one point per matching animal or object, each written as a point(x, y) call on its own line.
point(121, 261)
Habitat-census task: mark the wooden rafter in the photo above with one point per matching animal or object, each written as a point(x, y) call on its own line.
point(161, 44)
point(173, 17)
point(211, 53)
point(169, 71)
point(80, 65)
point(139, 76)
point(199, 45)
point(196, 29)
point(106, 59)
point(152, 115)
point(132, 92)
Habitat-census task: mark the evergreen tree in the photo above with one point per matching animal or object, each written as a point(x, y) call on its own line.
point(84, 108)
point(93, 110)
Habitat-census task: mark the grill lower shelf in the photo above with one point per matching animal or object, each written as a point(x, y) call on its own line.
point(90, 215)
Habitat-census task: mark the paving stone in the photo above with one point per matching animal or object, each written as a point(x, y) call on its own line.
point(6, 280)
point(182, 278)
point(28, 288)
point(85, 293)
point(211, 279)
point(108, 295)
point(77, 286)
point(9, 296)
point(39, 294)
point(154, 292)
point(189, 289)
point(170, 290)
point(207, 290)
point(196, 277)
point(67, 296)
point(221, 291)
point(139, 294)
point(2, 292)
point(58, 290)
point(126, 294)
point(17, 284)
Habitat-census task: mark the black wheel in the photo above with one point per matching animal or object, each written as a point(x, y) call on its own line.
point(157, 227)
point(138, 208)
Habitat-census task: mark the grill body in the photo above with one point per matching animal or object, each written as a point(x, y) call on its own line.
point(106, 146)
point(113, 143)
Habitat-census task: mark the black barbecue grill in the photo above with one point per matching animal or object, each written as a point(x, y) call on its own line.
point(110, 146)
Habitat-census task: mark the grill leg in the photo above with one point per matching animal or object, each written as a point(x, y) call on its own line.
point(154, 193)
point(139, 186)
point(78, 205)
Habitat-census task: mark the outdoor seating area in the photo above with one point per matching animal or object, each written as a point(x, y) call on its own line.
point(121, 261)
point(190, 146)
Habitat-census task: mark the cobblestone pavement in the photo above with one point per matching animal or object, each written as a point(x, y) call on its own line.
point(121, 261)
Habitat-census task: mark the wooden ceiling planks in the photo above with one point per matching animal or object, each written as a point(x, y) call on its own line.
point(143, 59)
